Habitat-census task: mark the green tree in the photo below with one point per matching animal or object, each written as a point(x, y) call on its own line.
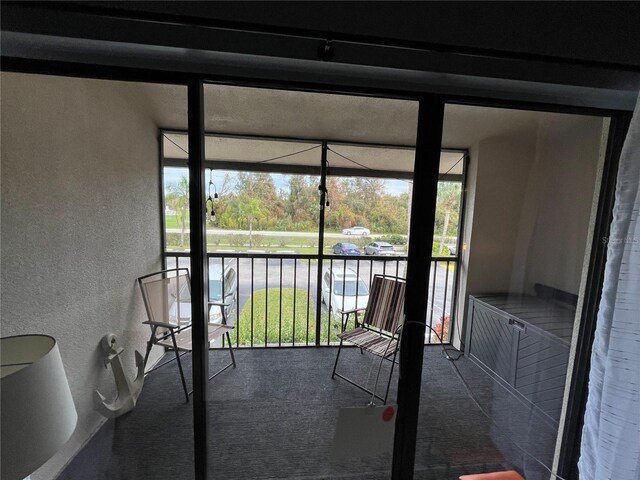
point(362, 195)
point(177, 198)
point(252, 211)
point(301, 204)
point(389, 214)
point(338, 215)
point(261, 187)
point(448, 201)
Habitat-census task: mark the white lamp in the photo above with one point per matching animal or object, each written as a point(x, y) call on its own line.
point(37, 411)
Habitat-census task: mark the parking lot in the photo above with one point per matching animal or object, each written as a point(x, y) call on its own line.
point(261, 272)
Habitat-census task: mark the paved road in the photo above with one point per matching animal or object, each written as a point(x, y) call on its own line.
point(272, 233)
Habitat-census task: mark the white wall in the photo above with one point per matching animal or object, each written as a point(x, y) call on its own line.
point(503, 166)
point(529, 199)
point(561, 186)
point(80, 221)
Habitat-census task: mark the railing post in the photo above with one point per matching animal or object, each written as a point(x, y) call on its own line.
point(323, 198)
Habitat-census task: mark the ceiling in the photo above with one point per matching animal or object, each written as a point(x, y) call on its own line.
point(254, 150)
point(255, 125)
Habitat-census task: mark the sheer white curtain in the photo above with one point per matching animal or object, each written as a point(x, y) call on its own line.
point(611, 434)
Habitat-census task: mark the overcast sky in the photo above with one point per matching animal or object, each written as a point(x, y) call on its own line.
point(172, 175)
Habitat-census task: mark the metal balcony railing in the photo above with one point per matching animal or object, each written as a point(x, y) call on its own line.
point(278, 301)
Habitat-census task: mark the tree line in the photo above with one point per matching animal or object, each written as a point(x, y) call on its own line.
point(253, 202)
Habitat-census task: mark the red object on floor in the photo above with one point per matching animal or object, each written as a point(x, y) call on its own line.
point(510, 475)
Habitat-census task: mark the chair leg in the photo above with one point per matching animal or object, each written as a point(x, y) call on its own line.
point(146, 355)
point(393, 362)
point(233, 358)
point(335, 365)
point(175, 349)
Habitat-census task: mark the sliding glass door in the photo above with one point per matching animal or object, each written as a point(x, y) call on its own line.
point(532, 195)
point(301, 199)
point(297, 186)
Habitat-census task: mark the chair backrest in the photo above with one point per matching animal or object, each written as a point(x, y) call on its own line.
point(167, 296)
point(385, 309)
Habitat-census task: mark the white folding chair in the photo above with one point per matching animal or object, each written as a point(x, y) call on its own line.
point(167, 299)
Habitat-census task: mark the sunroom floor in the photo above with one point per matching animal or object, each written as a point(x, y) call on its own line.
point(274, 417)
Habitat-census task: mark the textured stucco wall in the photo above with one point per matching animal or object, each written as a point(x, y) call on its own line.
point(503, 166)
point(529, 200)
point(531, 197)
point(80, 221)
point(562, 185)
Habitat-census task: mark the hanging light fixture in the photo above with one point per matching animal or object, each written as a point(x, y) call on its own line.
point(323, 202)
point(212, 200)
point(326, 190)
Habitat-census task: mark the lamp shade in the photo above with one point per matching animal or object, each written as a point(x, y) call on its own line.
point(37, 411)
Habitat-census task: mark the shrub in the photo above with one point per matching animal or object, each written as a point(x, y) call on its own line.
point(257, 240)
point(362, 241)
point(236, 240)
point(393, 239)
point(441, 329)
point(172, 239)
point(435, 251)
point(213, 239)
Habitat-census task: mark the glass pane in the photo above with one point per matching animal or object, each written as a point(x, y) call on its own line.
point(264, 151)
point(446, 242)
point(531, 201)
point(367, 201)
point(176, 208)
point(262, 212)
point(366, 225)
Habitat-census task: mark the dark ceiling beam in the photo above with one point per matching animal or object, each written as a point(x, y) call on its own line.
point(576, 21)
point(45, 33)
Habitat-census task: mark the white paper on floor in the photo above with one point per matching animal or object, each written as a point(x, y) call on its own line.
point(364, 431)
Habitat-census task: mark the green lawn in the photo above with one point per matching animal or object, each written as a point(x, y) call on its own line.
point(172, 222)
point(282, 331)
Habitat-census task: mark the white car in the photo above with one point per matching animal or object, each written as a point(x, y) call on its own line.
point(379, 248)
point(343, 290)
point(356, 231)
point(216, 281)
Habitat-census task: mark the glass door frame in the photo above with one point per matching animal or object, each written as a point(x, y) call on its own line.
point(565, 464)
point(427, 155)
point(431, 108)
point(425, 179)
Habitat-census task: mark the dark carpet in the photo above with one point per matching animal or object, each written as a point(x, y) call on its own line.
point(274, 417)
